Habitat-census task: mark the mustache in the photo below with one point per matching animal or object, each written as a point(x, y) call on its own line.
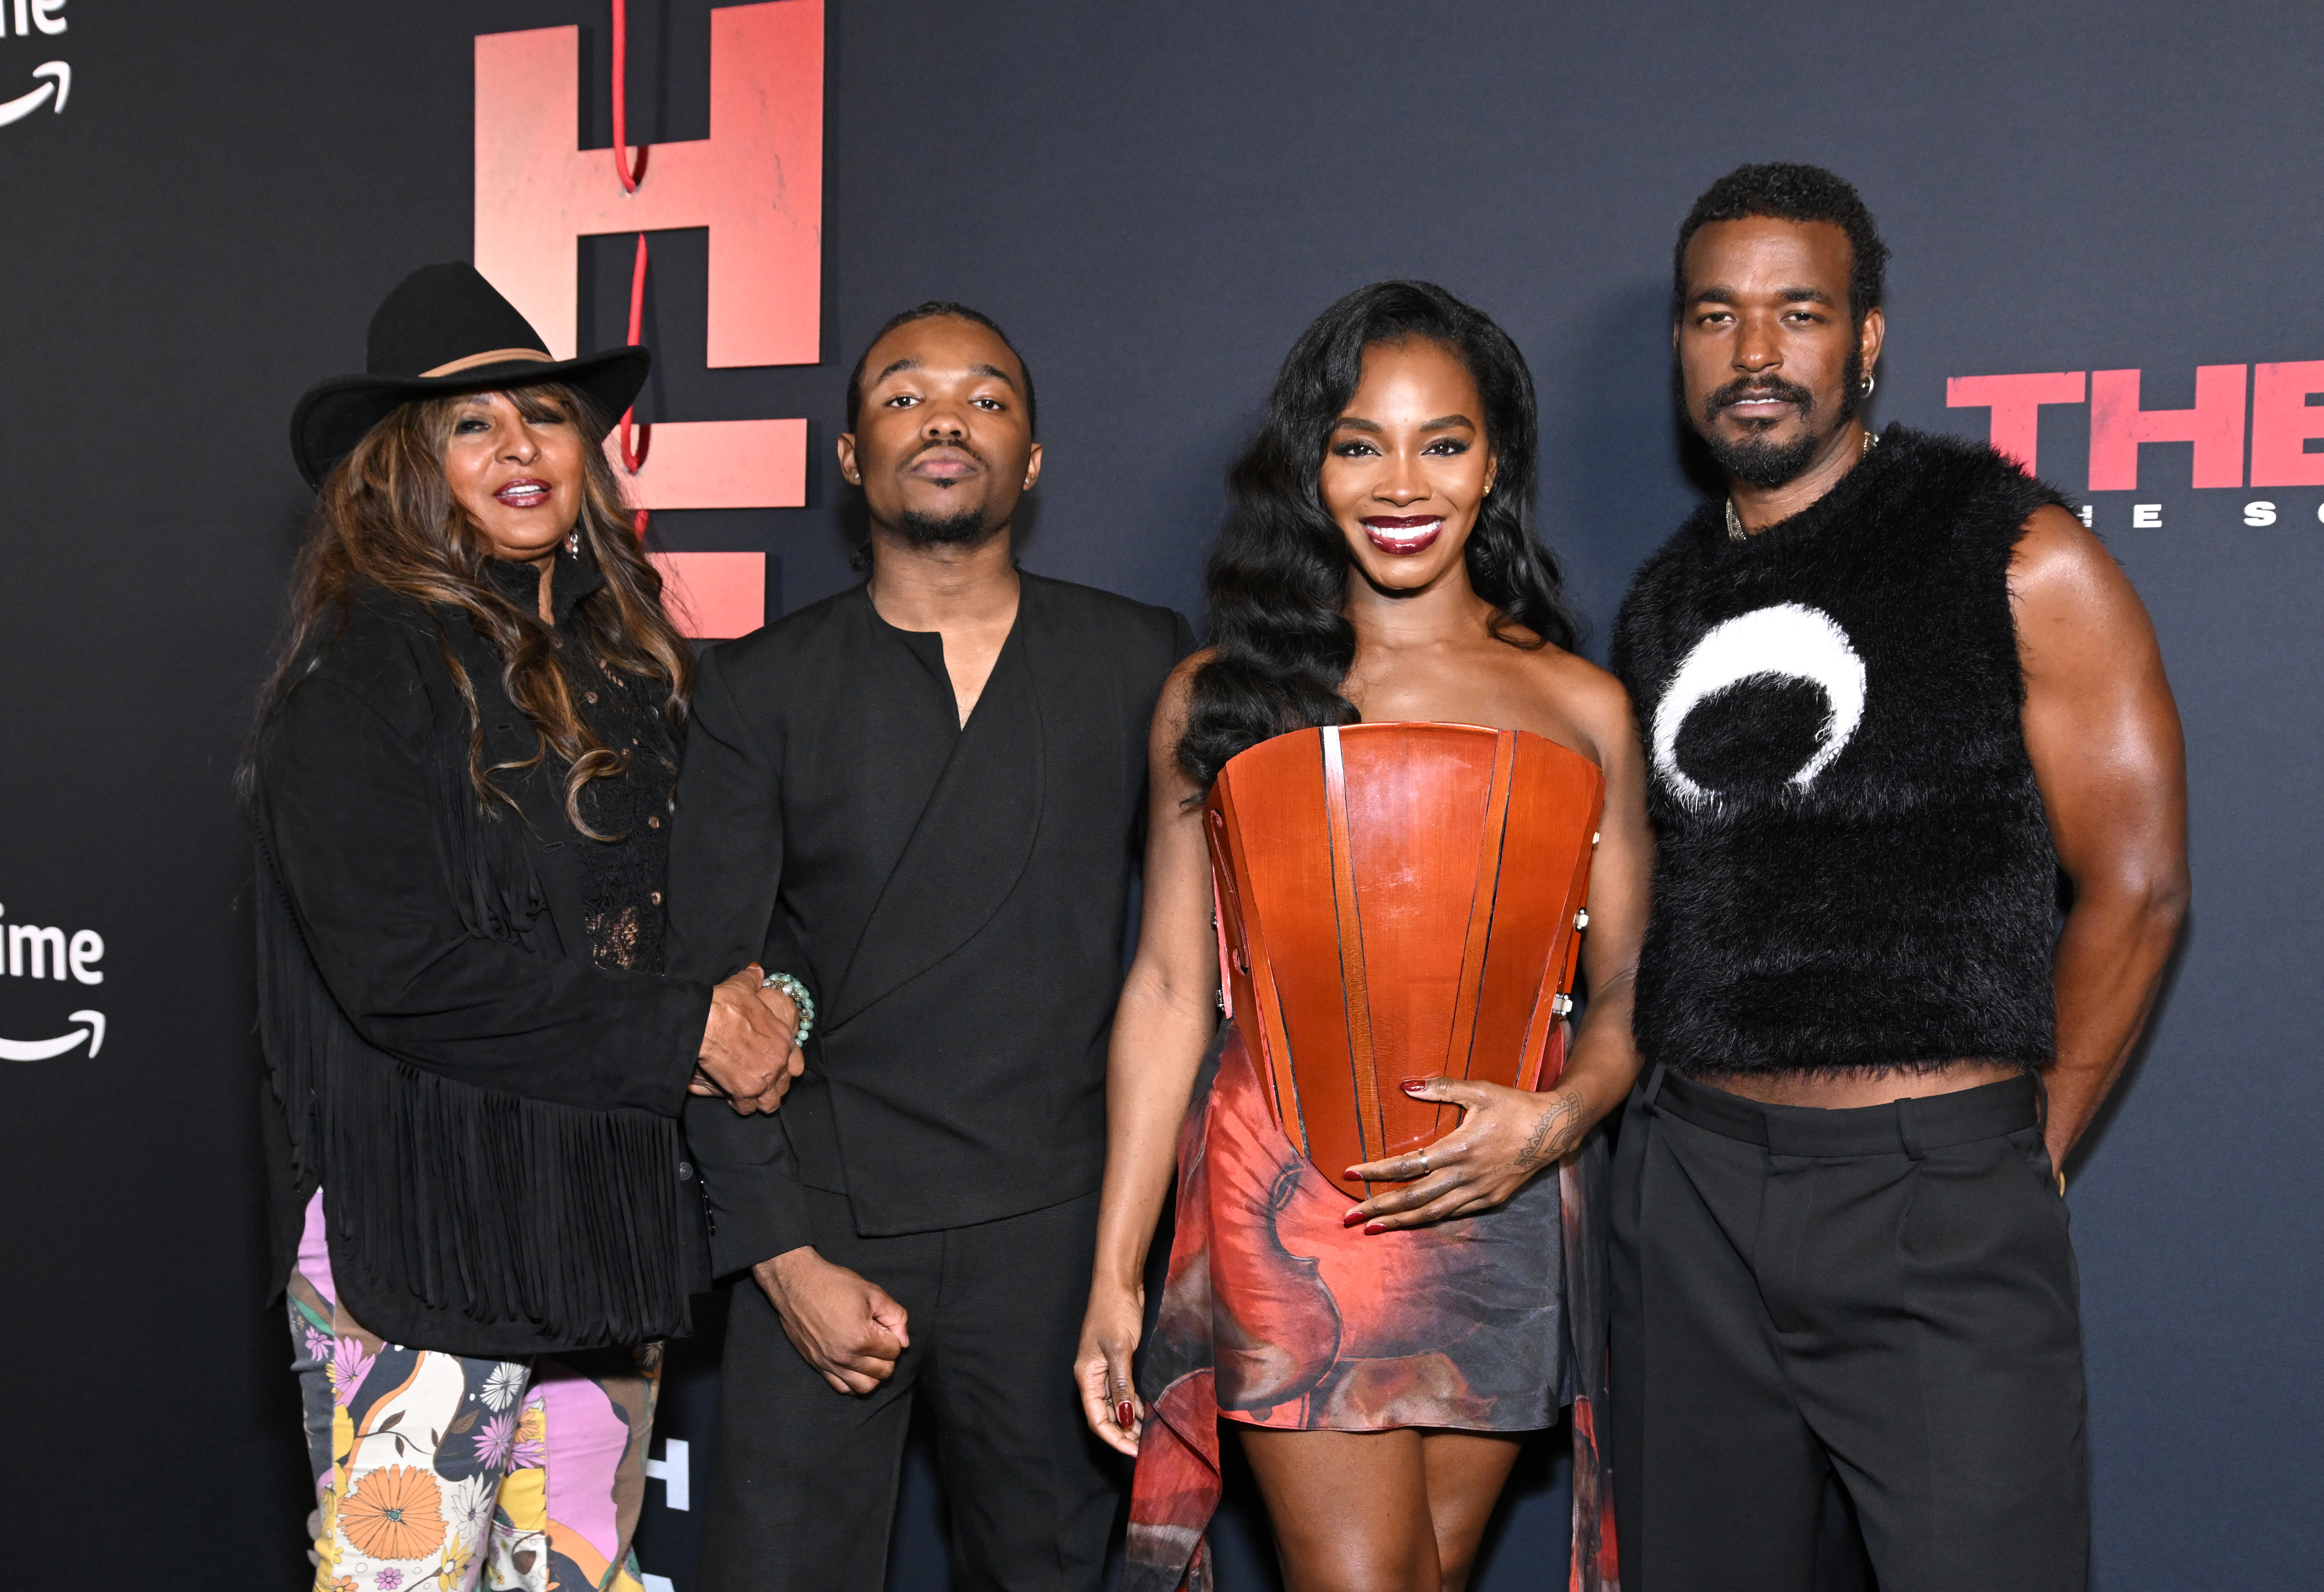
point(1745, 388)
point(957, 444)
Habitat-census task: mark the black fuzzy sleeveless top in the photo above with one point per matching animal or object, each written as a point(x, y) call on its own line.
point(1855, 869)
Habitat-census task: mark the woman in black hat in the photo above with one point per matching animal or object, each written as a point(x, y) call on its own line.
point(461, 782)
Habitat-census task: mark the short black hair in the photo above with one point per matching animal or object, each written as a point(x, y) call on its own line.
point(930, 311)
point(1789, 192)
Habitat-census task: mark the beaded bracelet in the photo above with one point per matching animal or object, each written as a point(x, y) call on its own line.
point(800, 997)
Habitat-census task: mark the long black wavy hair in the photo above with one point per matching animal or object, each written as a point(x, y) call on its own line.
point(1278, 580)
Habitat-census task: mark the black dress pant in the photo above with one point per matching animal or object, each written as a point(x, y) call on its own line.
point(802, 1491)
point(1886, 1295)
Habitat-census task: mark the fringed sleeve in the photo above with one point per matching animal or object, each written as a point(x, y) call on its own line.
point(419, 911)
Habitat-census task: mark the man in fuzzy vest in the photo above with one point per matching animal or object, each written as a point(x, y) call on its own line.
point(1892, 690)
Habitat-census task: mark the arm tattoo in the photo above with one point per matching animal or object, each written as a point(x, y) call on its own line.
point(1550, 1127)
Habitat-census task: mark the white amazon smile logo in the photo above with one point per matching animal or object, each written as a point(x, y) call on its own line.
point(42, 1049)
point(38, 952)
point(58, 87)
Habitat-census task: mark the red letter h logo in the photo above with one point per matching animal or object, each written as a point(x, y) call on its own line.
point(756, 182)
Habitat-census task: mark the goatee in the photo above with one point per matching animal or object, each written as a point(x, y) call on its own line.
point(962, 529)
point(1757, 462)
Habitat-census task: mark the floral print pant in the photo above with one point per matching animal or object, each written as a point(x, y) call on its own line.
point(437, 1473)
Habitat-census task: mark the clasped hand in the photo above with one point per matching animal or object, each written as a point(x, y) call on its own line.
point(749, 1051)
point(1506, 1136)
point(846, 1326)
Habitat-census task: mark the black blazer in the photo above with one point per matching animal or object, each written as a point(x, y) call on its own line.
point(954, 897)
point(495, 1118)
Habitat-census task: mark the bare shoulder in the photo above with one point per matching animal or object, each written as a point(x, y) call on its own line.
point(1171, 712)
point(1179, 689)
point(1182, 678)
point(2059, 560)
point(1590, 688)
point(1173, 707)
point(1591, 697)
point(2073, 602)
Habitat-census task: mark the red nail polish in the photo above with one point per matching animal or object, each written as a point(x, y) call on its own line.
point(1125, 1413)
point(1411, 1084)
point(1352, 1217)
point(1373, 1227)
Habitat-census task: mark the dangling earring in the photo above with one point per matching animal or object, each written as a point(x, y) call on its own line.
point(573, 543)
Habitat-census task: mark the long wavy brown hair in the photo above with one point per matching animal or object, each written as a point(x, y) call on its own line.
point(386, 519)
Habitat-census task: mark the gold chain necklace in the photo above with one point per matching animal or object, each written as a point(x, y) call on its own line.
point(1735, 531)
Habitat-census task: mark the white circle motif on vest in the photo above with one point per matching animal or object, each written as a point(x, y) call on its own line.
point(1789, 641)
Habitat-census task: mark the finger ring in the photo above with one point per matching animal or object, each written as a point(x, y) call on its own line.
point(1424, 1163)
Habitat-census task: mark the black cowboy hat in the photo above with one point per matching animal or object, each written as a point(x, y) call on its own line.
point(447, 329)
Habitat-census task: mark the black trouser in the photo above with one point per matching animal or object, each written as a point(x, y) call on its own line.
point(1886, 1294)
point(802, 1492)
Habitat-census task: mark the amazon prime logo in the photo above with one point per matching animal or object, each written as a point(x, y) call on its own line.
point(1780, 690)
point(31, 19)
point(37, 952)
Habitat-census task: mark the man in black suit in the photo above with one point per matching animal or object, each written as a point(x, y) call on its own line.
point(918, 801)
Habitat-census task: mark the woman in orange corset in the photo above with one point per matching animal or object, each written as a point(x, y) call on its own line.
point(1371, 1275)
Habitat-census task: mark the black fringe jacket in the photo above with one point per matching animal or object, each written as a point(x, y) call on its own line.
point(495, 1117)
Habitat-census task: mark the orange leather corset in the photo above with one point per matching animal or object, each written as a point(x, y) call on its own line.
point(1398, 901)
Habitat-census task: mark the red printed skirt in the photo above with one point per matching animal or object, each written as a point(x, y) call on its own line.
point(1276, 1315)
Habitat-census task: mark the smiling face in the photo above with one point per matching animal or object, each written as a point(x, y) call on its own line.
point(943, 445)
point(515, 467)
point(1768, 357)
point(1407, 465)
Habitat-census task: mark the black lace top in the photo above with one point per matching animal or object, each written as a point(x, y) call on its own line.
point(624, 874)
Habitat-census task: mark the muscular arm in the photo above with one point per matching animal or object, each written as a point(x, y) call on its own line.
point(1167, 1016)
point(2103, 733)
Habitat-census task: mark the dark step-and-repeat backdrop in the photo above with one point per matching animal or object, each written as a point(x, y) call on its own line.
point(2107, 236)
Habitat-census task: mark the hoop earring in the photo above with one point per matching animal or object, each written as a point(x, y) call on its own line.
point(1871, 381)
